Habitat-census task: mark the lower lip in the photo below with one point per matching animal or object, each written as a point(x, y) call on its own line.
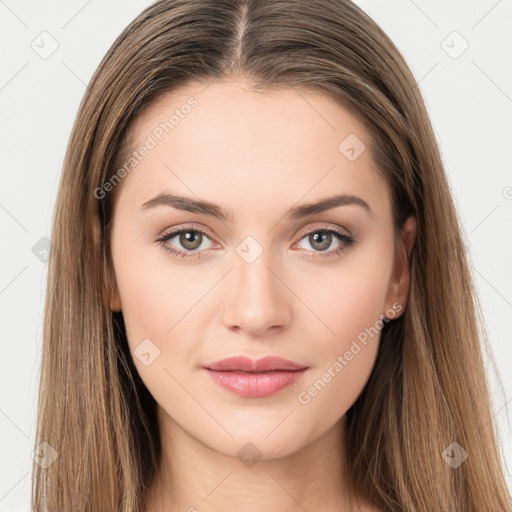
point(255, 385)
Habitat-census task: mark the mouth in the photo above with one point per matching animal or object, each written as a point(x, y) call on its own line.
point(255, 379)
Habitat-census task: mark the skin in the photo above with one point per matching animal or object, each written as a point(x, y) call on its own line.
point(257, 154)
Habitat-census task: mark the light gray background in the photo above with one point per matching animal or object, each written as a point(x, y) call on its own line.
point(469, 97)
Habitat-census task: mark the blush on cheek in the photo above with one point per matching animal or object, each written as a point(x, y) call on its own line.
point(349, 345)
point(347, 311)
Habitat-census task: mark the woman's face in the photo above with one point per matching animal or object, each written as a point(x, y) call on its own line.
point(255, 272)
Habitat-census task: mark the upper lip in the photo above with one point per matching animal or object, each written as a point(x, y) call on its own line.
point(246, 364)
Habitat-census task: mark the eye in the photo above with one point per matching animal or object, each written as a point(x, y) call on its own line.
point(320, 239)
point(191, 239)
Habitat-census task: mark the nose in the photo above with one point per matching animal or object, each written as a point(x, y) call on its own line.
point(258, 299)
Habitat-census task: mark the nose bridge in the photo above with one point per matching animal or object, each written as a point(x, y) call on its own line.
point(257, 298)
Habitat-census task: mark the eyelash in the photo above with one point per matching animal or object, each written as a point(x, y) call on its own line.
point(346, 239)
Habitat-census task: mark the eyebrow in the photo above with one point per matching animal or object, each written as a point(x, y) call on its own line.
point(296, 212)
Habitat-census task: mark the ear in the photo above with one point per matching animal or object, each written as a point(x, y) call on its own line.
point(113, 292)
point(400, 276)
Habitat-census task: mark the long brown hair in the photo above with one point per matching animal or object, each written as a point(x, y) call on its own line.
point(428, 388)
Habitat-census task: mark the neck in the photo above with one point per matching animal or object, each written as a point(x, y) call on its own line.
point(194, 477)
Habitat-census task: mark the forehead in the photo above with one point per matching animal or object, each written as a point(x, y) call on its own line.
point(227, 141)
point(250, 112)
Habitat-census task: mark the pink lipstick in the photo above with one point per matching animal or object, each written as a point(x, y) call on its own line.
point(255, 378)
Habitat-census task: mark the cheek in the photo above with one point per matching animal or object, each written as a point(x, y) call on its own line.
point(349, 303)
point(154, 294)
point(157, 307)
point(348, 299)
point(164, 303)
point(349, 324)
point(142, 290)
